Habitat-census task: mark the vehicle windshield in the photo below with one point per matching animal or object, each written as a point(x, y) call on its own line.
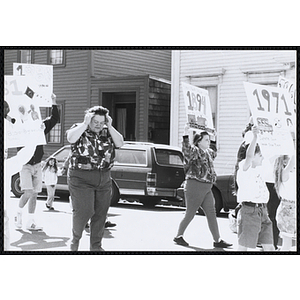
point(168, 157)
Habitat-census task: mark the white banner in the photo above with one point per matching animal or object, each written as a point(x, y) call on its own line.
point(39, 81)
point(198, 108)
point(24, 122)
point(274, 115)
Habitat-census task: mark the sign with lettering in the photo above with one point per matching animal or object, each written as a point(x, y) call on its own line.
point(40, 81)
point(290, 86)
point(23, 121)
point(274, 115)
point(198, 108)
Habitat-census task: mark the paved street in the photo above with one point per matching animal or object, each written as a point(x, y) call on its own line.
point(138, 229)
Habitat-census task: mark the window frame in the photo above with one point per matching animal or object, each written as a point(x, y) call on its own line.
point(19, 56)
point(63, 64)
point(61, 107)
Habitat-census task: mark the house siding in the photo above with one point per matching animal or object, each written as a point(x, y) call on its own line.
point(159, 111)
point(110, 63)
point(204, 68)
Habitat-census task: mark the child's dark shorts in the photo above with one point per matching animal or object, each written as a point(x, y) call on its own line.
point(254, 225)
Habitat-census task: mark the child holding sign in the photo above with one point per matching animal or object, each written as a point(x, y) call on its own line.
point(253, 222)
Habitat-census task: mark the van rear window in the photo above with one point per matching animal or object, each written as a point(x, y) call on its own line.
point(131, 157)
point(168, 157)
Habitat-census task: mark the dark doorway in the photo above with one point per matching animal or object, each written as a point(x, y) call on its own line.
point(122, 107)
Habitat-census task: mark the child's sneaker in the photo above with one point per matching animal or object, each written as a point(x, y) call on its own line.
point(18, 220)
point(33, 227)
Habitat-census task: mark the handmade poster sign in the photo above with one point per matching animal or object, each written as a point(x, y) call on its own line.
point(198, 108)
point(274, 115)
point(23, 121)
point(40, 81)
point(290, 86)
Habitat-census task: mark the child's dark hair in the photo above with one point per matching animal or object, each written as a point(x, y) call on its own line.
point(199, 137)
point(241, 155)
point(98, 110)
point(47, 165)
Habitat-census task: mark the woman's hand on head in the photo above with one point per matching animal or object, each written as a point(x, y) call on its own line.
point(108, 120)
point(87, 118)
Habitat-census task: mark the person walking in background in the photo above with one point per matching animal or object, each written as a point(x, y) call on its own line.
point(285, 185)
point(93, 144)
point(50, 171)
point(253, 223)
point(200, 176)
point(31, 175)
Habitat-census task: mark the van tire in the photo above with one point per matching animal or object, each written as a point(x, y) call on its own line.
point(15, 186)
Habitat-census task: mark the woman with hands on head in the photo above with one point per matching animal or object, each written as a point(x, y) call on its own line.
point(93, 144)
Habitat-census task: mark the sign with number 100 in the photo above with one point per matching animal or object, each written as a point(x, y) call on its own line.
point(271, 104)
point(198, 109)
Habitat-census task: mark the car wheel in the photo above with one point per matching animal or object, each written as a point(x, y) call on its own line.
point(218, 202)
point(15, 185)
point(150, 202)
point(115, 195)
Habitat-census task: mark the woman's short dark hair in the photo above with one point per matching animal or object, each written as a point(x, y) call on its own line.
point(198, 137)
point(98, 110)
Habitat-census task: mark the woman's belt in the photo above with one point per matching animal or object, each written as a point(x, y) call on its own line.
point(254, 204)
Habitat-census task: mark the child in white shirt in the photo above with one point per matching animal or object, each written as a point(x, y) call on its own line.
point(253, 223)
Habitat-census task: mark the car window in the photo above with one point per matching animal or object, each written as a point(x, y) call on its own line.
point(130, 156)
point(168, 157)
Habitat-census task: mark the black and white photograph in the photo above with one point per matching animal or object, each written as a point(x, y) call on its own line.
point(150, 150)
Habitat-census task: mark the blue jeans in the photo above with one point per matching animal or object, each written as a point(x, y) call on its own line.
point(90, 193)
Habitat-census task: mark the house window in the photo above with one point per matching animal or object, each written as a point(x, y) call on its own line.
point(55, 134)
point(25, 56)
point(213, 97)
point(56, 57)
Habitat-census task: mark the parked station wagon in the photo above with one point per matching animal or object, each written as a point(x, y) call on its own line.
point(145, 172)
point(148, 173)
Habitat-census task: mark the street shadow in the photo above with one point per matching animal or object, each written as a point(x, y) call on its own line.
point(57, 211)
point(204, 250)
point(39, 240)
point(108, 233)
point(158, 207)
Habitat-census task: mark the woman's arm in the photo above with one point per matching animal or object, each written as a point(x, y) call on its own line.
point(116, 135)
point(75, 133)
